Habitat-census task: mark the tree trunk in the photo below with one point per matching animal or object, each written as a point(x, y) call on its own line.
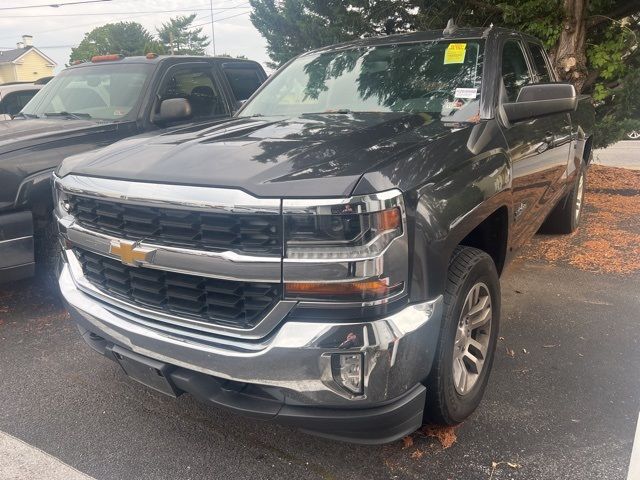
point(570, 60)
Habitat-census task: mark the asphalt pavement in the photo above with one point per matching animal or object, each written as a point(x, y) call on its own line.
point(624, 154)
point(562, 401)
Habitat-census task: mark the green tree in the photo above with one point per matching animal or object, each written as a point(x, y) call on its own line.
point(593, 43)
point(180, 38)
point(126, 38)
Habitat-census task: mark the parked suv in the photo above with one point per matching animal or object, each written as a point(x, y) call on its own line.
point(330, 257)
point(91, 105)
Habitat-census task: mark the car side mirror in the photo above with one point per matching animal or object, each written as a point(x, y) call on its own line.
point(173, 109)
point(541, 99)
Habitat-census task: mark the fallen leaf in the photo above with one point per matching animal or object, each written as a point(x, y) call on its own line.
point(524, 350)
point(501, 338)
point(510, 353)
point(514, 465)
point(407, 442)
point(446, 435)
point(551, 346)
point(417, 454)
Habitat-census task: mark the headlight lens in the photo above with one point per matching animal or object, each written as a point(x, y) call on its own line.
point(347, 235)
point(345, 250)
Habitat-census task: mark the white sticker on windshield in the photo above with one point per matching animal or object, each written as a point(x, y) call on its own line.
point(466, 93)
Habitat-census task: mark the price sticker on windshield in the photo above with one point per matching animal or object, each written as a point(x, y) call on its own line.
point(455, 53)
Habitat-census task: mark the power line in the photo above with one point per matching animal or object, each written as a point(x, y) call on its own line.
point(54, 5)
point(122, 13)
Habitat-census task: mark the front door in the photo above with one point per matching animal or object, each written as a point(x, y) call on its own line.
point(538, 148)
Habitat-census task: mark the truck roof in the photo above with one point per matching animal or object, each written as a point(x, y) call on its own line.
point(459, 33)
point(163, 58)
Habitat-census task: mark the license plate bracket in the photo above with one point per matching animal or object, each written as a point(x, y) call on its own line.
point(147, 371)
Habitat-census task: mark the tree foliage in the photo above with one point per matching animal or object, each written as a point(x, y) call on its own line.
point(126, 38)
point(180, 38)
point(593, 43)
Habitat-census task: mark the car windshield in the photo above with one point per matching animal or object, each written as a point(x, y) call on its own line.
point(438, 78)
point(101, 91)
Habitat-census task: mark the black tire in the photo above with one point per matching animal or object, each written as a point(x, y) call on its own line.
point(566, 215)
point(47, 253)
point(445, 405)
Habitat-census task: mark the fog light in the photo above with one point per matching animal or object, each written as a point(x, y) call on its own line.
point(347, 371)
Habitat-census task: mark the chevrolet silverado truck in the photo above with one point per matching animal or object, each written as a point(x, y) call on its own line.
point(329, 258)
point(92, 105)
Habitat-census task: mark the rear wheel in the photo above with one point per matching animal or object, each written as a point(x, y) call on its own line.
point(565, 217)
point(468, 336)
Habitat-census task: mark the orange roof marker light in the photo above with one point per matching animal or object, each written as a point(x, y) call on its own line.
point(106, 58)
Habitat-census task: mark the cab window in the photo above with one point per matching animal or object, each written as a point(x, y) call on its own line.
point(540, 64)
point(243, 81)
point(14, 102)
point(198, 87)
point(515, 71)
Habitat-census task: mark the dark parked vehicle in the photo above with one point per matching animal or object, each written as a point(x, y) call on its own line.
point(330, 257)
point(92, 105)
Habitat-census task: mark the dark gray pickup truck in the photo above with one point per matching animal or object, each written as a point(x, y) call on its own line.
point(92, 105)
point(330, 257)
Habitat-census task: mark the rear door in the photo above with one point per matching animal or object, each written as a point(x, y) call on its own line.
point(539, 148)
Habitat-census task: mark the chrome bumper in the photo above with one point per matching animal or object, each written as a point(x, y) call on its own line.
point(398, 350)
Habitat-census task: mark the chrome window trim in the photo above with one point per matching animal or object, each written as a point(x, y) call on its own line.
point(271, 319)
point(185, 197)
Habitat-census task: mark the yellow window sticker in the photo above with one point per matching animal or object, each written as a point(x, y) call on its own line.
point(455, 53)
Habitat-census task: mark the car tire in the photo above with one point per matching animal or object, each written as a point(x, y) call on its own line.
point(566, 215)
point(450, 400)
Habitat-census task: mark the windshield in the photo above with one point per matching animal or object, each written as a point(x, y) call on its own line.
point(439, 78)
point(103, 92)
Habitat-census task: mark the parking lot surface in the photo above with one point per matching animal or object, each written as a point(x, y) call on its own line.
point(562, 401)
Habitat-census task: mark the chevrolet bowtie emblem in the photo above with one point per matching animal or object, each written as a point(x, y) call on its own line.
point(129, 253)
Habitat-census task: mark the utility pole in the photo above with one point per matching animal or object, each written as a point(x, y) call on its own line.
point(213, 32)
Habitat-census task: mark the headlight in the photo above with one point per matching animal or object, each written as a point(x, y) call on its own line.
point(345, 250)
point(60, 201)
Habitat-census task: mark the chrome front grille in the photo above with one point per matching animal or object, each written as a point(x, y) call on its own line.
point(219, 302)
point(251, 233)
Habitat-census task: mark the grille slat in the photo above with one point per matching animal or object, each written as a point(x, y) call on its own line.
point(242, 232)
point(222, 302)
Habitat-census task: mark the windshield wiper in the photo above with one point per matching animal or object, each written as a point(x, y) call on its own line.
point(341, 111)
point(25, 115)
point(76, 116)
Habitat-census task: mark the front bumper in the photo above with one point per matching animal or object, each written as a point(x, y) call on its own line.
point(286, 376)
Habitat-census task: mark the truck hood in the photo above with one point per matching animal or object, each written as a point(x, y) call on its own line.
point(307, 156)
point(18, 134)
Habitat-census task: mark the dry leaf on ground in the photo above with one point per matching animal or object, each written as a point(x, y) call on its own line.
point(446, 435)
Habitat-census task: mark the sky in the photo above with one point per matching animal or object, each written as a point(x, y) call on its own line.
point(56, 30)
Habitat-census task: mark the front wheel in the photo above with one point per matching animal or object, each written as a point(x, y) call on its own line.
point(467, 340)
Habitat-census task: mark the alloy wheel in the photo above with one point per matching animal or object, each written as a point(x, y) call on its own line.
point(472, 338)
point(579, 197)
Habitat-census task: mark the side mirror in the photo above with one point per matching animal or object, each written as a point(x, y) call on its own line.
point(541, 99)
point(174, 109)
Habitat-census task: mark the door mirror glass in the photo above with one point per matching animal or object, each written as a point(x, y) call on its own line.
point(541, 99)
point(174, 109)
